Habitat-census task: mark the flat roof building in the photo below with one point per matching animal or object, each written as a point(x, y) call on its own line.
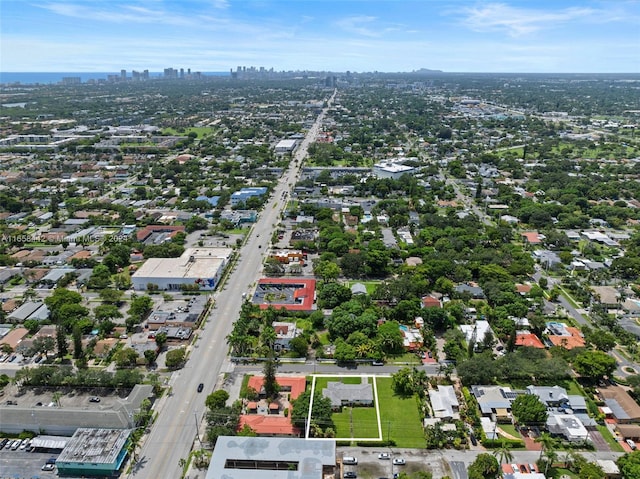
point(94, 452)
point(236, 457)
point(201, 267)
point(391, 170)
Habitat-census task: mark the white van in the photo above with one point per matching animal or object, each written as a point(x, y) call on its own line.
point(631, 444)
point(349, 460)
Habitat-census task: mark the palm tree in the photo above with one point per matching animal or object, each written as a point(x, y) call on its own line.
point(548, 442)
point(503, 454)
point(551, 456)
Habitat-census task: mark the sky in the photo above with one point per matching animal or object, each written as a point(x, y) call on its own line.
point(525, 36)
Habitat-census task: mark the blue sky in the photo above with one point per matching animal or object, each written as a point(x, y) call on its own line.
point(357, 35)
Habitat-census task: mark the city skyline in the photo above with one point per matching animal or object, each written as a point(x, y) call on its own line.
point(559, 36)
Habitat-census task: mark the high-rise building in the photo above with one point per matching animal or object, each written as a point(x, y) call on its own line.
point(123, 74)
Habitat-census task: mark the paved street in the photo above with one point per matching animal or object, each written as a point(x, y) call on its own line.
point(174, 432)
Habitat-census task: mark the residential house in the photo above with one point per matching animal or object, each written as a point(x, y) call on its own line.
point(476, 333)
point(30, 310)
point(285, 332)
point(471, 289)
point(567, 426)
point(622, 406)
point(342, 394)
point(444, 403)
point(495, 401)
point(608, 296)
point(431, 301)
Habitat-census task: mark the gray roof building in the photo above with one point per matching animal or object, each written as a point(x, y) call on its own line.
point(342, 394)
point(94, 452)
point(29, 310)
point(65, 421)
point(236, 457)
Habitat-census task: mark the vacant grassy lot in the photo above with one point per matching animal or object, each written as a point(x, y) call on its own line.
point(400, 417)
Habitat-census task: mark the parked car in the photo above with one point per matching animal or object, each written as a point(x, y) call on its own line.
point(48, 467)
point(398, 461)
point(350, 475)
point(384, 455)
point(349, 460)
point(15, 444)
point(3, 442)
point(94, 399)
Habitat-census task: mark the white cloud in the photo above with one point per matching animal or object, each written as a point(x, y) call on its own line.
point(520, 21)
point(360, 25)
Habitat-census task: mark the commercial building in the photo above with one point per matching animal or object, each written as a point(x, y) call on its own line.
point(94, 452)
point(244, 194)
point(286, 146)
point(236, 457)
point(24, 416)
point(197, 267)
point(391, 170)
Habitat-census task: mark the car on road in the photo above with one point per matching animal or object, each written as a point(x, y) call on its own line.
point(384, 455)
point(398, 461)
point(350, 475)
point(377, 363)
point(200, 387)
point(94, 399)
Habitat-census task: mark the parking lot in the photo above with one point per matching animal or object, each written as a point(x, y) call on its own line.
point(24, 465)
point(44, 397)
point(370, 466)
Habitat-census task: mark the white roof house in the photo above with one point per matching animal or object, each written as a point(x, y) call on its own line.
point(444, 402)
point(481, 328)
point(567, 425)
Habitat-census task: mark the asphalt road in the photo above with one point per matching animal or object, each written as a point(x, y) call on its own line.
point(174, 431)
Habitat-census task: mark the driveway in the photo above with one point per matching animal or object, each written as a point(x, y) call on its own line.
point(598, 441)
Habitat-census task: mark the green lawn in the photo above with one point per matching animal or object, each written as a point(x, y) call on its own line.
point(409, 358)
point(370, 285)
point(510, 429)
point(559, 472)
point(321, 382)
point(201, 131)
point(356, 422)
point(400, 417)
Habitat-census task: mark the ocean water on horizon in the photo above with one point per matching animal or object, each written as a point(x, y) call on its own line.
point(49, 78)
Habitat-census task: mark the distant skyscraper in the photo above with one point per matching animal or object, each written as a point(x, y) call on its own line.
point(182, 73)
point(71, 80)
point(123, 74)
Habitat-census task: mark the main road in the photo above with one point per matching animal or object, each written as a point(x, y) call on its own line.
point(174, 430)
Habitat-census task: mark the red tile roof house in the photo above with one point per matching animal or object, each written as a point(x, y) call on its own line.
point(529, 340)
point(431, 302)
point(272, 422)
point(532, 237)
